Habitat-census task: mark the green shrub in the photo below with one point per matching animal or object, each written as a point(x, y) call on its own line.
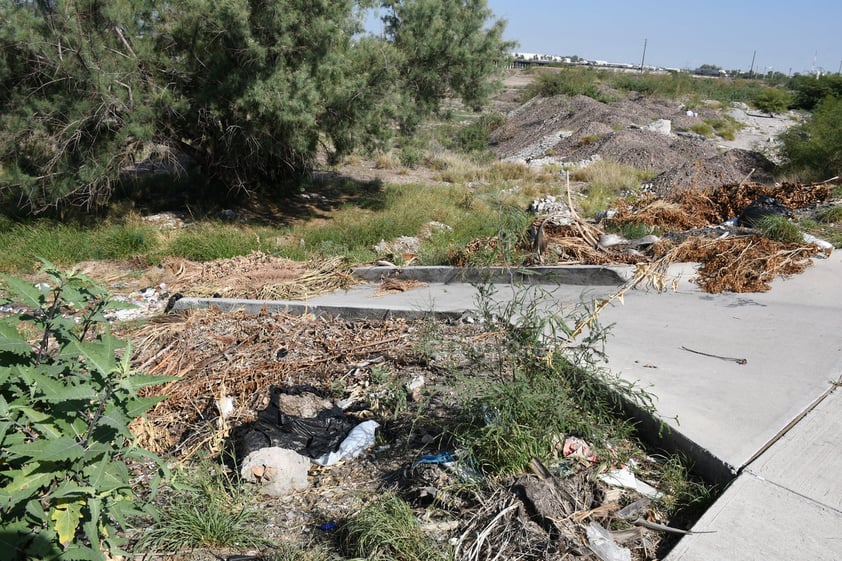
point(814, 149)
point(474, 137)
point(773, 100)
point(67, 396)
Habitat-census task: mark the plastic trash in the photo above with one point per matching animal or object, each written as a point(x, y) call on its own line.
point(625, 478)
point(823, 245)
point(440, 458)
point(602, 543)
point(358, 440)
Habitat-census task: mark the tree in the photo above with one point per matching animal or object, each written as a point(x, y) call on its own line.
point(448, 48)
point(814, 148)
point(250, 90)
point(73, 97)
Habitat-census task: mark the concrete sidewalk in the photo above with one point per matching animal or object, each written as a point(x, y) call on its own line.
point(772, 425)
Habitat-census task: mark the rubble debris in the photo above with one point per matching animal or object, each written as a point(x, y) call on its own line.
point(279, 471)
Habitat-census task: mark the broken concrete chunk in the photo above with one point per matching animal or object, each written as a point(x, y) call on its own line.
point(279, 471)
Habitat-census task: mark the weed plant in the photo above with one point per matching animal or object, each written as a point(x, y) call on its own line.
point(780, 228)
point(606, 182)
point(536, 393)
point(831, 214)
point(208, 509)
point(387, 529)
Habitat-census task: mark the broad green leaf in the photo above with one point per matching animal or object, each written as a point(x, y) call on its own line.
point(30, 413)
point(114, 417)
point(12, 342)
point(24, 483)
point(68, 490)
point(77, 552)
point(60, 449)
point(55, 391)
point(99, 356)
point(92, 521)
point(140, 405)
point(25, 292)
point(66, 515)
point(115, 476)
point(138, 381)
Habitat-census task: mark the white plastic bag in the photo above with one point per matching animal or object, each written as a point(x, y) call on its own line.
point(357, 441)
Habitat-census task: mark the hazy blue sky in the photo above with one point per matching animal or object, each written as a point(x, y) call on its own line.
point(786, 35)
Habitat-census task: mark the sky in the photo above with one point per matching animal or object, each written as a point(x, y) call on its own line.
point(787, 36)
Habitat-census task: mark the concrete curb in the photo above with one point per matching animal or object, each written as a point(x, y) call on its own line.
point(301, 308)
point(575, 275)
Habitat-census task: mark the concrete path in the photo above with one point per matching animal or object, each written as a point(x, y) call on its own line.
point(771, 425)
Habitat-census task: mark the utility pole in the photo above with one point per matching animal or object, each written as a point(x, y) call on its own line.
point(642, 60)
point(751, 70)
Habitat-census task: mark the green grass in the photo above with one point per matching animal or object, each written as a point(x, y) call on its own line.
point(65, 245)
point(831, 214)
point(606, 182)
point(213, 512)
point(780, 228)
point(209, 241)
point(387, 529)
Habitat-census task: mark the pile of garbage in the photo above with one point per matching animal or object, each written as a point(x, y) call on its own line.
point(717, 229)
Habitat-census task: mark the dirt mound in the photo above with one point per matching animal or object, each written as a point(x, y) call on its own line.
point(638, 148)
point(573, 129)
point(732, 167)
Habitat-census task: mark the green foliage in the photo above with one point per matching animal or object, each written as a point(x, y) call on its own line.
point(387, 529)
point(537, 396)
point(213, 241)
point(212, 510)
point(565, 82)
point(678, 85)
point(811, 90)
point(780, 228)
point(814, 148)
point(249, 90)
point(474, 137)
point(67, 396)
point(773, 100)
point(448, 47)
point(831, 214)
point(69, 244)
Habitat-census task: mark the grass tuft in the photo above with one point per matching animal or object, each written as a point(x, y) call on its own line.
point(213, 512)
point(780, 228)
point(388, 530)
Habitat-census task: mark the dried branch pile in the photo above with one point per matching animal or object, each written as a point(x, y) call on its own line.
point(257, 275)
point(688, 230)
point(241, 356)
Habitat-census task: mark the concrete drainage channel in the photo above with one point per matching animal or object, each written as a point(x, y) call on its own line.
point(358, 304)
point(454, 292)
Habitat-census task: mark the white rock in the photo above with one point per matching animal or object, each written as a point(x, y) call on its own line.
point(278, 470)
point(663, 126)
